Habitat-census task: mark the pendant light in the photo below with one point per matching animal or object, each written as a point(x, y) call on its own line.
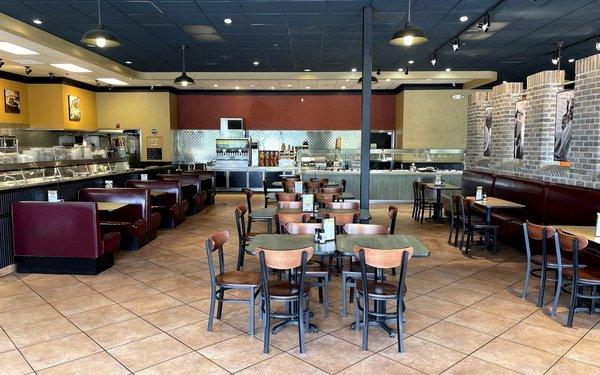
point(409, 35)
point(374, 80)
point(99, 37)
point(183, 80)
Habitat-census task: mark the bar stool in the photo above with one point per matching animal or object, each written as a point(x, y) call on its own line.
point(588, 277)
point(315, 269)
point(350, 274)
point(294, 293)
point(380, 291)
point(244, 236)
point(231, 280)
point(265, 214)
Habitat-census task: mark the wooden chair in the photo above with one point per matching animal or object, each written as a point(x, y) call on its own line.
point(286, 197)
point(267, 193)
point(343, 206)
point(393, 215)
point(262, 212)
point(351, 273)
point(332, 190)
point(228, 280)
point(289, 205)
point(424, 203)
point(341, 218)
point(294, 292)
point(244, 236)
point(281, 220)
point(323, 199)
point(581, 278)
point(289, 184)
point(313, 186)
point(455, 218)
point(415, 210)
point(378, 290)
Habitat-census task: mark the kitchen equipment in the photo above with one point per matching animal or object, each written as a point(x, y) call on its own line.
point(232, 152)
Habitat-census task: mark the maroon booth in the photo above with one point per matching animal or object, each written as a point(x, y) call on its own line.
point(172, 206)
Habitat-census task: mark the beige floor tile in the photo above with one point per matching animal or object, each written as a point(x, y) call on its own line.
point(383, 365)
point(174, 282)
point(98, 364)
point(416, 321)
point(67, 292)
point(155, 273)
point(237, 353)
point(478, 285)
point(121, 333)
point(30, 315)
point(437, 276)
point(43, 331)
point(5, 343)
point(455, 337)
point(378, 338)
point(128, 293)
point(150, 304)
point(100, 317)
point(434, 307)
point(459, 296)
point(472, 365)
point(540, 338)
point(204, 306)
point(569, 366)
point(482, 321)
point(148, 352)
point(176, 317)
point(424, 356)
point(191, 363)
point(187, 266)
point(13, 363)
point(516, 357)
point(46, 282)
point(422, 286)
point(196, 336)
point(593, 334)
point(585, 351)
point(82, 304)
point(108, 280)
point(52, 353)
point(331, 354)
point(280, 364)
point(20, 301)
point(191, 294)
point(515, 309)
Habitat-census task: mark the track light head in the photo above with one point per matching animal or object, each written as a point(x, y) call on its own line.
point(455, 44)
point(433, 59)
point(555, 60)
point(51, 75)
point(486, 23)
point(406, 70)
point(598, 44)
point(28, 70)
point(378, 71)
point(1, 63)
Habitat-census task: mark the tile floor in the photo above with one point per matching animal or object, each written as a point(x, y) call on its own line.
point(147, 315)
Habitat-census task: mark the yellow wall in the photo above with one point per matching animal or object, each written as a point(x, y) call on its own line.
point(139, 110)
point(12, 119)
point(50, 107)
point(87, 100)
point(431, 119)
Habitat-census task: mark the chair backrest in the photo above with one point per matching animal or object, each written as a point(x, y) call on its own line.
point(215, 242)
point(332, 190)
point(571, 243)
point(322, 181)
point(366, 229)
point(192, 179)
point(289, 205)
point(341, 218)
point(289, 185)
point(170, 186)
point(240, 222)
point(323, 198)
point(284, 259)
point(286, 197)
point(313, 186)
point(343, 185)
point(540, 233)
point(415, 186)
point(388, 258)
point(455, 204)
point(465, 211)
point(281, 220)
point(249, 194)
point(302, 228)
point(392, 214)
point(343, 206)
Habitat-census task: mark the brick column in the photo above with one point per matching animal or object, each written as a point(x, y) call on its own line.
point(540, 118)
point(504, 97)
point(478, 102)
point(585, 144)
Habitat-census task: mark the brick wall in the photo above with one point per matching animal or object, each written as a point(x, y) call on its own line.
point(478, 102)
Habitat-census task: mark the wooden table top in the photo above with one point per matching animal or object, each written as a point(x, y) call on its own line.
point(584, 231)
point(158, 193)
point(110, 206)
point(362, 213)
point(344, 243)
point(431, 185)
point(492, 202)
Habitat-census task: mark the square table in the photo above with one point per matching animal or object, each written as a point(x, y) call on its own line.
point(437, 212)
point(263, 214)
point(491, 203)
point(363, 215)
point(110, 206)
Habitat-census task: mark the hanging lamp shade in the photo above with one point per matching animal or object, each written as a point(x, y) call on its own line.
point(183, 80)
point(410, 35)
point(374, 80)
point(99, 37)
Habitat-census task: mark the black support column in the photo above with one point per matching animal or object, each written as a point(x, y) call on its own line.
point(365, 130)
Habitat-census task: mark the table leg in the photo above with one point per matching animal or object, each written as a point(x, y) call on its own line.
point(270, 226)
point(488, 221)
point(437, 211)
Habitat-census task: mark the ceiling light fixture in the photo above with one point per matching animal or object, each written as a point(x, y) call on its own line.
point(486, 24)
point(99, 37)
point(113, 81)
point(433, 59)
point(28, 70)
point(557, 56)
point(215, 85)
point(272, 87)
point(448, 69)
point(598, 44)
point(128, 62)
point(16, 50)
point(409, 35)
point(343, 87)
point(256, 63)
point(37, 21)
point(289, 85)
point(71, 68)
point(183, 80)
point(237, 87)
point(571, 60)
point(455, 44)
point(387, 79)
point(411, 62)
point(374, 80)
point(307, 70)
point(353, 70)
point(228, 21)
point(406, 70)
point(307, 87)
point(464, 18)
point(504, 82)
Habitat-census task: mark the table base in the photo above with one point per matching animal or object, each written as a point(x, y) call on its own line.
point(292, 322)
point(376, 323)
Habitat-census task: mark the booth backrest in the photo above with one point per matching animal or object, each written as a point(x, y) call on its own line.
point(572, 205)
point(56, 229)
point(139, 201)
point(173, 187)
point(191, 179)
point(531, 193)
point(472, 179)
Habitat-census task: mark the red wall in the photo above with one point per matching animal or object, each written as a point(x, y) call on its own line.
point(276, 112)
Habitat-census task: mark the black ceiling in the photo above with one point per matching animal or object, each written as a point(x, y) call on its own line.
point(291, 35)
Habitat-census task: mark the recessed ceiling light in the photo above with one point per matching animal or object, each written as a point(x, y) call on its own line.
point(400, 69)
point(228, 21)
point(256, 62)
point(343, 87)
point(307, 70)
point(16, 50)
point(448, 69)
point(272, 87)
point(411, 61)
point(347, 79)
point(251, 85)
point(504, 81)
point(307, 87)
point(289, 85)
point(113, 81)
point(37, 21)
point(353, 70)
point(464, 18)
point(71, 68)
point(571, 60)
point(387, 80)
point(237, 87)
point(215, 85)
point(128, 62)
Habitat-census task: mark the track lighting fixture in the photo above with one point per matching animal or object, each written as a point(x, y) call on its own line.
point(99, 37)
point(1, 63)
point(455, 44)
point(28, 70)
point(409, 35)
point(183, 80)
point(406, 70)
point(486, 23)
point(51, 75)
point(433, 59)
point(98, 83)
point(598, 44)
point(556, 59)
point(378, 71)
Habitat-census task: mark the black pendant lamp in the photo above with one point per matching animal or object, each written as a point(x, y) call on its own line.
point(409, 35)
point(99, 37)
point(183, 80)
point(374, 80)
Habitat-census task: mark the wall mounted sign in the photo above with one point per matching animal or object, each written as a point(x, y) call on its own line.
point(519, 133)
point(154, 141)
point(12, 101)
point(563, 125)
point(487, 132)
point(154, 153)
point(74, 108)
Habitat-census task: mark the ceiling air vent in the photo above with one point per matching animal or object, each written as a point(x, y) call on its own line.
point(203, 33)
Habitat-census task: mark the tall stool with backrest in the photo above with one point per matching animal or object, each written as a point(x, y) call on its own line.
point(588, 277)
point(228, 280)
point(315, 269)
point(265, 214)
point(380, 291)
point(352, 272)
point(294, 292)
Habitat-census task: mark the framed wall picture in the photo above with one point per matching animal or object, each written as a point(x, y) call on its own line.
point(12, 101)
point(519, 132)
point(563, 125)
point(487, 132)
point(74, 108)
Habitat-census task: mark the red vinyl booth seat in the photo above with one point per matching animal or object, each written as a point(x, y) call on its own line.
point(195, 197)
point(61, 237)
point(172, 206)
point(135, 221)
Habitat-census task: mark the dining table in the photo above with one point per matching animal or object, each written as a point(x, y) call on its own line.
point(589, 232)
point(493, 203)
point(110, 206)
point(363, 214)
point(439, 188)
